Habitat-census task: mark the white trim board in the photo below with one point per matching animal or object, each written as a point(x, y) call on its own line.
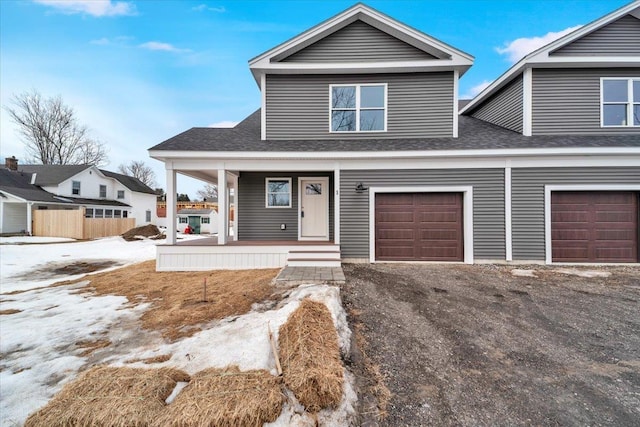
point(467, 213)
point(581, 187)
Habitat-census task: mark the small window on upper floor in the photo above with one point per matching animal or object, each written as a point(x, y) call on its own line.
point(358, 108)
point(75, 188)
point(120, 194)
point(620, 102)
point(103, 191)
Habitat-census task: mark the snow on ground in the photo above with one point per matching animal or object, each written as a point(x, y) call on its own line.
point(17, 261)
point(38, 351)
point(32, 240)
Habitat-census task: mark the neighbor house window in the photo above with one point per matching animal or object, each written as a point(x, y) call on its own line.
point(103, 191)
point(99, 213)
point(88, 213)
point(620, 102)
point(278, 192)
point(205, 220)
point(147, 216)
point(75, 188)
point(120, 194)
point(183, 220)
point(358, 108)
point(117, 213)
point(125, 214)
point(108, 213)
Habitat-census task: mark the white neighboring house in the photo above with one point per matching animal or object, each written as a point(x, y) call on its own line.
point(102, 193)
point(201, 221)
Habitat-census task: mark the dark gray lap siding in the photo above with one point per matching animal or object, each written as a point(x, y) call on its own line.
point(488, 205)
point(527, 200)
point(256, 222)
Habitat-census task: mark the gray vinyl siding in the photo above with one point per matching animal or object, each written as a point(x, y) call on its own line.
point(256, 222)
point(567, 101)
point(488, 205)
point(14, 217)
point(527, 200)
point(359, 42)
point(619, 38)
point(504, 108)
point(418, 105)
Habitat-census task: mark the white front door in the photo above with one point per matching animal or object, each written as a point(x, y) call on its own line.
point(314, 208)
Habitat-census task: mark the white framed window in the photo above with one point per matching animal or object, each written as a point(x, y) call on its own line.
point(108, 213)
point(117, 213)
point(358, 107)
point(278, 192)
point(120, 194)
point(75, 188)
point(88, 213)
point(183, 220)
point(98, 213)
point(205, 220)
point(103, 191)
point(125, 214)
point(620, 101)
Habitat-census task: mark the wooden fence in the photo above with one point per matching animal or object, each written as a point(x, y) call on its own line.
point(73, 224)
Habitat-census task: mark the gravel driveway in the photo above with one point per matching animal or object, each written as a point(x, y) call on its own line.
point(476, 345)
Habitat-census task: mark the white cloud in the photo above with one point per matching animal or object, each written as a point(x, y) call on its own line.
point(204, 7)
point(518, 48)
point(102, 42)
point(97, 8)
point(224, 124)
point(166, 47)
point(474, 90)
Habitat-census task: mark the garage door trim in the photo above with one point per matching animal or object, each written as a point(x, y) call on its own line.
point(467, 213)
point(547, 206)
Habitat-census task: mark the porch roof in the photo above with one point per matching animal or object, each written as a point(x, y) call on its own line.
point(474, 134)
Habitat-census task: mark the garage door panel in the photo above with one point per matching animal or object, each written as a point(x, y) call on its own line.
point(431, 222)
point(594, 226)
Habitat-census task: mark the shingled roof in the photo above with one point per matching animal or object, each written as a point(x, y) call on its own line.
point(474, 134)
point(132, 183)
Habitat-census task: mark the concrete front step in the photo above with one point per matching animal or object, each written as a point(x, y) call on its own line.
point(314, 262)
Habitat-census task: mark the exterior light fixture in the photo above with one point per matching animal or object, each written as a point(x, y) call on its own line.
point(360, 188)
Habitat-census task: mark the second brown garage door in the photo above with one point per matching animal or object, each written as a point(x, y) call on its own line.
point(419, 227)
point(594, 226)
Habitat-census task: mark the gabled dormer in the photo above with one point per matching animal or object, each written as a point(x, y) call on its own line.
point(587, 82)
point(360, 74)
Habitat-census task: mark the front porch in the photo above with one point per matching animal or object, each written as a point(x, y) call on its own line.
point(286, 213)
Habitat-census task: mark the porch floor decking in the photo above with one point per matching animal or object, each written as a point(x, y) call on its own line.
point(213, 241)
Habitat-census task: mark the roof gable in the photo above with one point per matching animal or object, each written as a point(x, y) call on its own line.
point(437, 56)
point(132, 183)
point(544, 58)
point(618, 38)
point(359, 41)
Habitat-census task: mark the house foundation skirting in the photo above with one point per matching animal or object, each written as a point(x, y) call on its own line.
point(226, 257)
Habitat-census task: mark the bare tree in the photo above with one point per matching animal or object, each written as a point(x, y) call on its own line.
point(51, 132)
point(208, 192)
point(138, 169)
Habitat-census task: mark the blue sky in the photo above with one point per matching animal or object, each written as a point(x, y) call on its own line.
point(139, 72)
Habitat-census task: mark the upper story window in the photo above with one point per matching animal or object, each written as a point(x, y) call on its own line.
point(75, 188)
point(278, 193)
point(120, 194)
point(359, 108)
point(103, 191)
point(620, 99)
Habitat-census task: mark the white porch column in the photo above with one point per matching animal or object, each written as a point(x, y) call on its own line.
point(336, 205)
point(29, 218)
point(223, 208)
point(235, 207)
point(171, 205)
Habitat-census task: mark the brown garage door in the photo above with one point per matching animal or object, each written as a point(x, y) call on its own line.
point(594, 226)
point(419, 227)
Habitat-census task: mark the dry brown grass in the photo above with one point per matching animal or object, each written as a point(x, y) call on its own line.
point(310, 356)
point(92, 345)
point(176, 298)
point(107, 396)
point(225, 398)
point(150, 360)
point(9, 311)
